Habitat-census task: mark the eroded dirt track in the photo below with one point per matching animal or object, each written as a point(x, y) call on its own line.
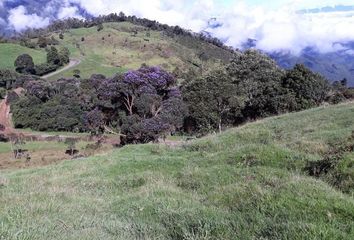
point(5, 117)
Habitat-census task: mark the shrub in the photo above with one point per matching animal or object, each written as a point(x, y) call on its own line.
point(2, 93)
point(24, 64)
point(45, 68)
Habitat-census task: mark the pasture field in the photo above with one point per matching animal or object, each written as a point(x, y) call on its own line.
point(9, 52)
point(246, 183)
point(123, 46)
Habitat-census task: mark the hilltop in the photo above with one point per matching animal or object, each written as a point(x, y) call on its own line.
point(122, 46)
point(249, 182)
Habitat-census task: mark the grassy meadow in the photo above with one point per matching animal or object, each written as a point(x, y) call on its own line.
point(246, 183)
point(9, 52)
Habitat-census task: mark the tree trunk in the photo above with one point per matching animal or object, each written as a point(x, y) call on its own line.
point(220, 125)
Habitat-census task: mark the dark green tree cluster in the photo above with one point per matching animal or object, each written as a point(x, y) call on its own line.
point(10, 79)
point(47, 106)
point(24, 63)
point(252, 86)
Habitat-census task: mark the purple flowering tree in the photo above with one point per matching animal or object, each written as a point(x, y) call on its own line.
point(151, 94)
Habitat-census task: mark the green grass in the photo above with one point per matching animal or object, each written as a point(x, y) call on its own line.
point(246, 183)
point(39, 146)
point(9, 52)
point(120, 50)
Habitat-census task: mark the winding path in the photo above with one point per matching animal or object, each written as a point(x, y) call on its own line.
point(72, 63)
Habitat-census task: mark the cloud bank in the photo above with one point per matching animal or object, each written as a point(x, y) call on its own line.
point(19, 19)
point(275, 26)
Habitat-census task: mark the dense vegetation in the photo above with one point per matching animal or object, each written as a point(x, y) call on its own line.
point(24, 63)
point(140, 104)
point(286, 177)
point(247, 183)
point(252, 86)
point(146, 104)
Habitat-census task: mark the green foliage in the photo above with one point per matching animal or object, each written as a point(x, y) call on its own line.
point(57, 114)
point(27, 43)
point(212, 99)
point(53, 56)
point(310, 89)
point(24, 64)
point(45, 68)
point(8, 78)
point(77, 73)
point(64, 56)
point(42, 42)
point(252, 86)
point(100, 27)
point(2, 93)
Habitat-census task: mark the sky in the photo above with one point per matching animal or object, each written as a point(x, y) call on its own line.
point(276, 25)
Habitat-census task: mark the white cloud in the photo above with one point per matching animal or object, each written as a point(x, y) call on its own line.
point(279, 29)
point(68, 12)
point(19, 19)
point(183, 12)
point(284, 28)
point(276, 25)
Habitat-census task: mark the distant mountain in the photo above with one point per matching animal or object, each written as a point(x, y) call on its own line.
point(334, 66)
point(337, 8)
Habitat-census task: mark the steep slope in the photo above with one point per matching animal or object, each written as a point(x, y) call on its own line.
point(247, 183)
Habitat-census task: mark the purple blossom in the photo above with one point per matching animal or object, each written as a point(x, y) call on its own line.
point(174, 93)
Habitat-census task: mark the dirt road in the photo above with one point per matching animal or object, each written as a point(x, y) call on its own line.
point(5, 117)
point(72, 63)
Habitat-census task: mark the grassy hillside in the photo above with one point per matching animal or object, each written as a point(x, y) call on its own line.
point(9, 52)
point(122, 46)
point(247, 183)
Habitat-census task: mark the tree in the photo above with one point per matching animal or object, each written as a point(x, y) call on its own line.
point(310, 89)
point(2, 93)
point(64, 56)
point(77, 73)
point(261, 80)
point(150, 98)
point(42, 42)
point(53, 56)
point(24, 64)
point(94, 122)
point(99, 27)
point(212, 99)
